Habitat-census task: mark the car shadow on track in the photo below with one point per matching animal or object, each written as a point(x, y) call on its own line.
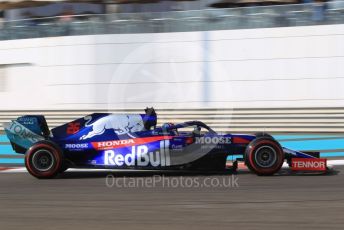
point(133, 173)
point(288, 172)
point(127, 173)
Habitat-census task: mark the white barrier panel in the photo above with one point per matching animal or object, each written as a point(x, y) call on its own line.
point(256, 68)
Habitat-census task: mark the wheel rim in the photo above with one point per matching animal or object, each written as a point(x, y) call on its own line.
point(43, 160)
point(265, 156)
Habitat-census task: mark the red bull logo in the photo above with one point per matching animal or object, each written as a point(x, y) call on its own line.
point(121, 124)
point(139, 156)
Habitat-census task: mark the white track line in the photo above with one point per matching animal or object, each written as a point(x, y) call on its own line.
point(335, 162)
point(14, 170)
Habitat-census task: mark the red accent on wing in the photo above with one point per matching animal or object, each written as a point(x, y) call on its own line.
point(240, 140)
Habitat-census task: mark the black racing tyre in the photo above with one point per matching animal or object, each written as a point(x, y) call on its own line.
point(264, 156)
point(263, 134)
point(44, 160)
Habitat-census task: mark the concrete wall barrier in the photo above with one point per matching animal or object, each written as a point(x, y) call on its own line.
point(249, 68)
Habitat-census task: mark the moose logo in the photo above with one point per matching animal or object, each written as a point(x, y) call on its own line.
point(121, 124)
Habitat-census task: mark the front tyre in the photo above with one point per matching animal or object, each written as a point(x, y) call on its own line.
point(264, 156)
point(44, 160)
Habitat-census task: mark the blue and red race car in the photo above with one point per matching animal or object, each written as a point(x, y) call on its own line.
point(133, 141)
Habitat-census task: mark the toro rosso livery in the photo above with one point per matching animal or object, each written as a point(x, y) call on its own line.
point(133, 141)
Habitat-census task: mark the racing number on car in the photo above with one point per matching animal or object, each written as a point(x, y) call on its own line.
point(73, 128)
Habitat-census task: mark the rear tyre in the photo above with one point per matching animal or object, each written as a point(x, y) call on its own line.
point(264, 156)
point(44, 160)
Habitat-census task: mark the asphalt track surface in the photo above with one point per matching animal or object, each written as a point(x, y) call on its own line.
point(81, 200)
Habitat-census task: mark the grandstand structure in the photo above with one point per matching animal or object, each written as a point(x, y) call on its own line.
point(289, 15)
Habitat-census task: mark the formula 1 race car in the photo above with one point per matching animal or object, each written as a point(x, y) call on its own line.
point(132, 141)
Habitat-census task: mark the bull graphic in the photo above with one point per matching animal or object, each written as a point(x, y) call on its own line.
point(121, 124)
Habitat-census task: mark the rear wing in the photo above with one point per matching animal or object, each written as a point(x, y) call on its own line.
point(25, 131)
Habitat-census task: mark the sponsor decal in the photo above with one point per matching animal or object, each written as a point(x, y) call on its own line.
point(104, 145)
point(23, 132)
point(73, 128)
point(213, 140)
point(177, 147)
point(77, 146)
point(120, 124)
point(308, 164)
point(139, 156)
point(154, 132)
point(27, 120)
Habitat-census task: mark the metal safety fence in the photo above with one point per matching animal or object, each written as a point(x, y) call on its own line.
point(176, 21)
